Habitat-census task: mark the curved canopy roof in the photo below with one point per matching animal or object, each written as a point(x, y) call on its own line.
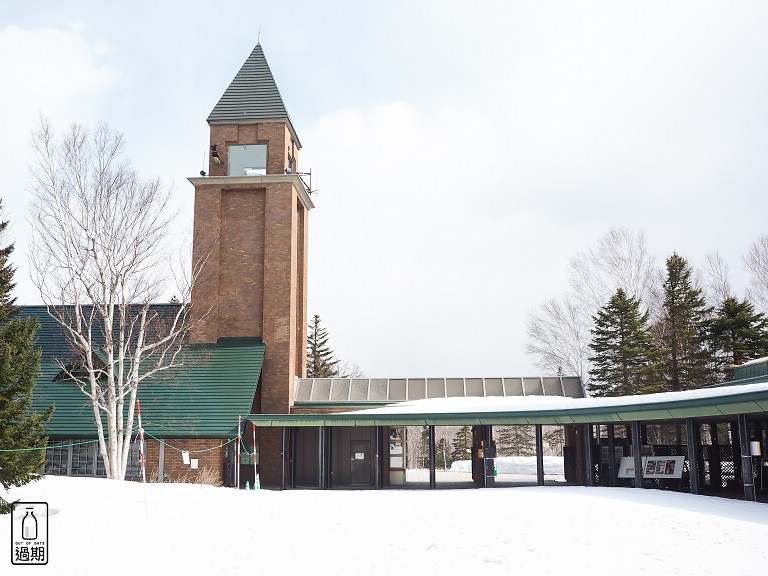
point(744, 398)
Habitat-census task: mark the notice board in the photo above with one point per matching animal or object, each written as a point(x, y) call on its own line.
point(653, 467)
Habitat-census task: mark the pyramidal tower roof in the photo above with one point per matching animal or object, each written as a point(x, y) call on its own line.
point(252, 96)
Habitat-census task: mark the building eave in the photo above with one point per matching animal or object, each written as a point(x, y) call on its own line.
point(294, 179)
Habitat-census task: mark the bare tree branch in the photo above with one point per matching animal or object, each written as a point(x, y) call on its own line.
point(756, 262)
point(717, 281)
point(559, 330)
point(98, 260)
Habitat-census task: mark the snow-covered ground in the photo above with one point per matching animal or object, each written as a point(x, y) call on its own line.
point(115, 528)
point(553, 465)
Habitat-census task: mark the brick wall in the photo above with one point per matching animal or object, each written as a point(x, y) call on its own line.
point(275, 135)
point(254, 239)
point(174, 468)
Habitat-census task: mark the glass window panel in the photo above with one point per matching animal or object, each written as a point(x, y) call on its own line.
point(133, 470)
point(56, 457)
point(82, 459)
point(247, 160)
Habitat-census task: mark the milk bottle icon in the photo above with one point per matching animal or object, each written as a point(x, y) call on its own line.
point(29, 525)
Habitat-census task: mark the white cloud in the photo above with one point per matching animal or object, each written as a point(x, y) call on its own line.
point(439, 225)
point(57, 73)
point(409, 256)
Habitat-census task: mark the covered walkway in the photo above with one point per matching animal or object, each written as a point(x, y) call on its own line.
point(700, 441)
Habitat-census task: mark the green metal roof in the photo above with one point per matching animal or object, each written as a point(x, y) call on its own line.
point(753, 369)
point(201, 398)
point(654, 407)
point(252, 96)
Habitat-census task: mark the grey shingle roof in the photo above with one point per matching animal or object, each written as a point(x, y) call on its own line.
point(252, 95)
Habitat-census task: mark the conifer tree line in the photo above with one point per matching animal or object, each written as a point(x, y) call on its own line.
point(627, 327)
point(453, 445)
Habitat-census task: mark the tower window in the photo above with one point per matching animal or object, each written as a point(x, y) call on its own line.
point(247, 160)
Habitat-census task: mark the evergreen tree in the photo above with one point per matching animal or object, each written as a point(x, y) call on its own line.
point(504, 436)
point(555, 437)
point(443, 453)
point(523, 441)
point(682, 330)
point(737, 334)
point(19, 366)
point(320, 361)
point(461, 445)
point(424, 447)
point(625, 360)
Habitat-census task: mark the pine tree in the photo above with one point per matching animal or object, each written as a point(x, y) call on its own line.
point(19, 366)
point(320, 361)
point(555, 437)
point(522, 441)
point(461, 445)
point(504, 440)
point(424, 447)
point(682, 330)
point(737, 334)
point(443, 454)
point(625, 360)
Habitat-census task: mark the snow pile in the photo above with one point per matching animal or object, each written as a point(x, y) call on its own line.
point(100, 527)
point(523, 465)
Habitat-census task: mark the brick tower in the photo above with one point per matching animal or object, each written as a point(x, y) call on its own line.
point(250, 233)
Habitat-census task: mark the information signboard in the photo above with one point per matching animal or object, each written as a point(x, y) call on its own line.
point(653, 467)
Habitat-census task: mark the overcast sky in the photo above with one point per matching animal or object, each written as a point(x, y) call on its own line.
point(463, 152)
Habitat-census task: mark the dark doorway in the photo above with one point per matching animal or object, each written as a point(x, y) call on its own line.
point(306, 457)
point(352, 458)
point(361, 463)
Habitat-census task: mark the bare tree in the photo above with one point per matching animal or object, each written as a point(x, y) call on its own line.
point(620, 260)
point(756, 261)
point(349, 369)
point(99, 234)
point(559, 330)
point(559, 337)
point(717, 282)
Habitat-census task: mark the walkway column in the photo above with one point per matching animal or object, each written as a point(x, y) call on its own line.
point(636, 453)
point(692, 429)
point(282, 460)
point(715, 466)
point(539, 455)
point(611, 456)
point(377, 456)
point(589, 475)
point(489, 463)
point(320, 457)
point(432, 477)
point(746, 459)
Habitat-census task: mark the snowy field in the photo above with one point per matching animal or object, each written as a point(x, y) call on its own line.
point(119, 528)
point(517, 470)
